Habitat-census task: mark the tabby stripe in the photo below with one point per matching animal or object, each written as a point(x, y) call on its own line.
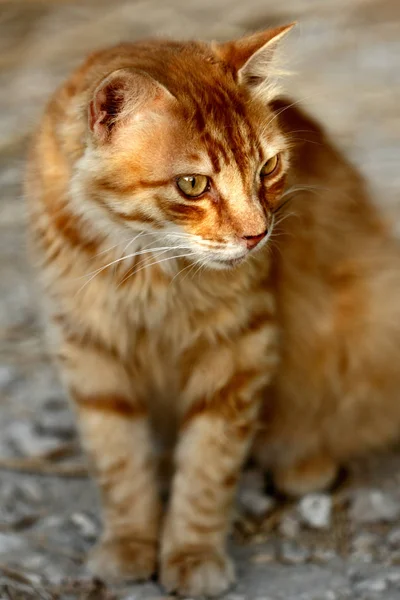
point(113, 403)
point(182, 212)
point(227, 402)
point(70, 225)
point(137, 216)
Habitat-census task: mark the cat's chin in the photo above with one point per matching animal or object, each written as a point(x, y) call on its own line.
point(231, 263)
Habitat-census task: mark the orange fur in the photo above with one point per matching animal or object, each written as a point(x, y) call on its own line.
point(162, 307)
point(150, 334)
point(337, 275)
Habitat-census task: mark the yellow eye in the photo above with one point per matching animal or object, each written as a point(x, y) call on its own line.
point(193, 185)
point(270, 166)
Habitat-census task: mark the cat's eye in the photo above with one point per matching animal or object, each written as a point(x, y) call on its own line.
point(270, 166)
point(193, 185)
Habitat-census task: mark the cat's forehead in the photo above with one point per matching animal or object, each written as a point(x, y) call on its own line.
point(205, 87)
point(228, 129)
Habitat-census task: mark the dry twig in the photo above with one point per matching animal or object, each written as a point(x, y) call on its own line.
point(45, 465)
point(42, 466)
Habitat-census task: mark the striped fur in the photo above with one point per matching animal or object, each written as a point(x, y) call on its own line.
point(168, 328)
point(160, 315)
point(337, 284)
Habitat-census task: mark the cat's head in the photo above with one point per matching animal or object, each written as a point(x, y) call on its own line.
point(183, 146)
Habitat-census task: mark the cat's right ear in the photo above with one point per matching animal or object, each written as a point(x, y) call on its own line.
point(125, 94)
point(253, 59)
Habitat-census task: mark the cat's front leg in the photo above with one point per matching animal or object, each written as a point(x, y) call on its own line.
point(116, 436)
point(215, 437)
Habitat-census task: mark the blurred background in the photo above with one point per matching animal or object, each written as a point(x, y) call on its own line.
point(345, 59)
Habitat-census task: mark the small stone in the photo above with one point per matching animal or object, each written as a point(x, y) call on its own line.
point(361, 557)
point(365, 542)
point(34, 562)
point(86, 526)
point(266, 555)
point(8, 492)
point(16, 509)
point(263, 558)
point(289, 526)
point(373, 506)
point(394, 557)
point(7, 376)
point(22, 437)
point(31, 491)
point(55, 403)
point(394, 578)
point(323, 555)
point(316, 510)
point(328, 595)
point(393, 538)
point(10, 543)
point(371, 585)
point(57, 423)
point(293, 554)
point(52, 522)
point(255, 503)
point(53, 573)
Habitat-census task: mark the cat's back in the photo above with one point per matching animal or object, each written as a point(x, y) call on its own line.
point(332, 240)
point(329, 215)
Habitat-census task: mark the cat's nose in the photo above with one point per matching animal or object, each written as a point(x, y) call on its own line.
point(253, 240)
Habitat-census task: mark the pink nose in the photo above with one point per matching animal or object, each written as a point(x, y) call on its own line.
point(253, 240)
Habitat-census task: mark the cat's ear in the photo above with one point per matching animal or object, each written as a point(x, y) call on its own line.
point(124, 94)
point(253, 59)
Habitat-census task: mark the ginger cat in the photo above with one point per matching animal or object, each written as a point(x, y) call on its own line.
point(154, 184)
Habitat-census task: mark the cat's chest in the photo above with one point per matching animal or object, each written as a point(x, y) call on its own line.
point(168, 316)
point(165, 320)
point(171, 314)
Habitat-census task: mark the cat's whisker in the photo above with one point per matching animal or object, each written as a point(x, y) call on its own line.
point(134, 239)
point(118, 260)
point(280, 234)
point(282, 110)
point(197, 239)
point(203, 263)
point(281, 219)
point(157, 252)
point(292, 191)
point(107, 250)
point(191, 265)
point(155, 263)
point(128, 256)
point(290, 138)
point(293, 142)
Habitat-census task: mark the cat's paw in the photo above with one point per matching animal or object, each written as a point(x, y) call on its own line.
point(314, 474)
point(197, 572)
point(123, 559)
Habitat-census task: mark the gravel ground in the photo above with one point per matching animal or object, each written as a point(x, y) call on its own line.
point(327, 547)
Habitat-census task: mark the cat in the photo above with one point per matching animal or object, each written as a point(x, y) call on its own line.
point(156, 182)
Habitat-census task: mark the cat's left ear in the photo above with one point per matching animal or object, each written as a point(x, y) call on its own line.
point(252, 58)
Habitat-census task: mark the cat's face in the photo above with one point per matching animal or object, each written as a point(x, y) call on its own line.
point(191, 157)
